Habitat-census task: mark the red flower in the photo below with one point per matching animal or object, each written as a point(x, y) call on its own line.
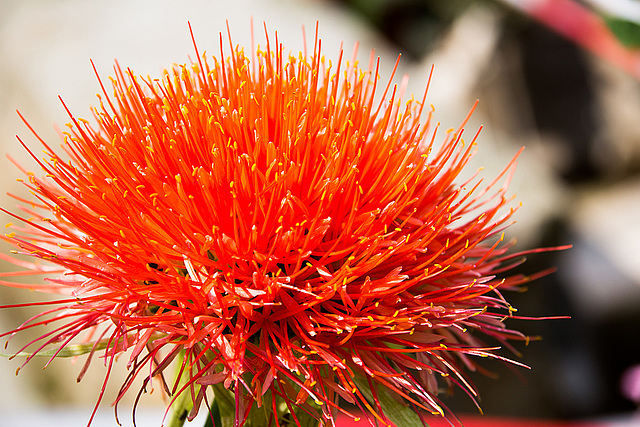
point(288, 225)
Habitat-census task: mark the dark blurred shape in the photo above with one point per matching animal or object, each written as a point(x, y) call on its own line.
point(562, 100)
point(412, 25)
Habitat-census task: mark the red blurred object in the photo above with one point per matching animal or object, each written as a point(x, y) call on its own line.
point(580, 24)
point(483, 421)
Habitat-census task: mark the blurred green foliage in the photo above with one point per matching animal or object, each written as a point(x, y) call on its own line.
point(626, 31)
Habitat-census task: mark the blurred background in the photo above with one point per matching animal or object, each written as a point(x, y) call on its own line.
point(559, 77)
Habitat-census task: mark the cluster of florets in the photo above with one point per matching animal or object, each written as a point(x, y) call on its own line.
point(293, 238)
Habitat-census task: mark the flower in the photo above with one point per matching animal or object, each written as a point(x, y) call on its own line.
point(278, 229)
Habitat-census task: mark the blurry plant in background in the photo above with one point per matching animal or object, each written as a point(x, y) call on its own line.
point(554, 75)
point(283, 239)
point(608, 28)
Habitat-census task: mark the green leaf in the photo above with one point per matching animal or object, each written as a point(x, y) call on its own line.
point(183, 404)
point(226, 405)
point(67, 351)
point(213, 420)
point(626, 31)
point(400, 414)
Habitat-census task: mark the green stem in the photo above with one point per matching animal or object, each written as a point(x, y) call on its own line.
point(222, 410)
point(223, 406)
point(184, 403)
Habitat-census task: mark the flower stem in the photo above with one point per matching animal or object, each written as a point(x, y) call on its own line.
point(184, 403)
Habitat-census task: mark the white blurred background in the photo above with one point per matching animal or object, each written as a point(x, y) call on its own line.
point(578, 179)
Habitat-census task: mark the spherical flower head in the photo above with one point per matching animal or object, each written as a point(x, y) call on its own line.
point(288, 224)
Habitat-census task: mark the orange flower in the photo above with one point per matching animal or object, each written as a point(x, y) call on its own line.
point(296, 234)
